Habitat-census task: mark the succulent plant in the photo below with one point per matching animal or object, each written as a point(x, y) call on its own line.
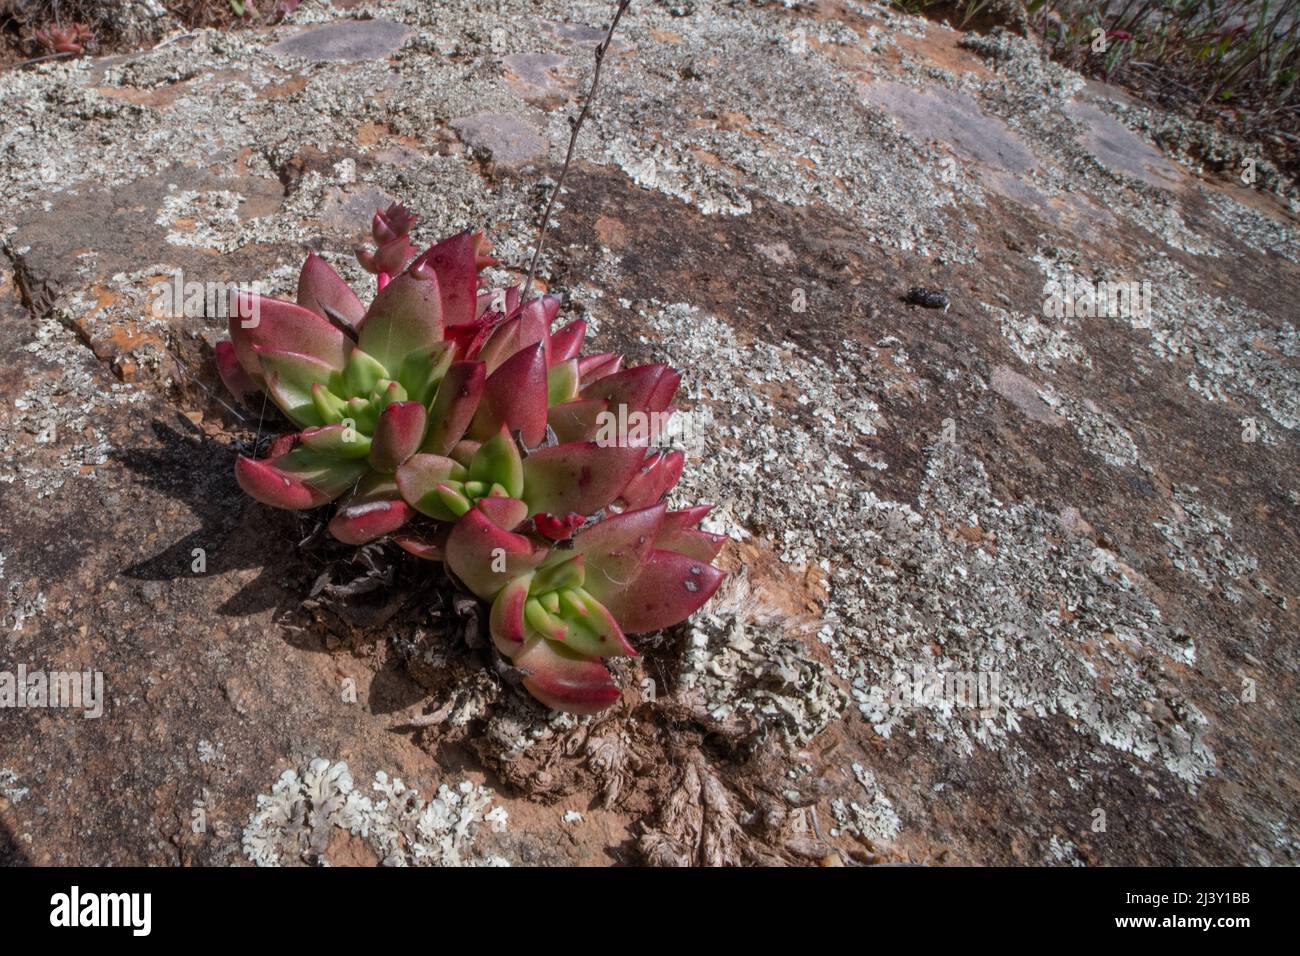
point(72, 38)
point(557, 611)
point(461, 405)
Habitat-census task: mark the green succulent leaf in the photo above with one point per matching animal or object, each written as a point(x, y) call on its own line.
point(362, 374)
point(562, 382)
point(389, 393)
point(338, 441)
point(405, 317)
point(567, 573)
point(330, 407)
point(589, 627)
point(423, 370)
point(303, 478)
point(419, 478)
point(290, 378)
point(544, 622)
point(498, 462)
point(453, 498)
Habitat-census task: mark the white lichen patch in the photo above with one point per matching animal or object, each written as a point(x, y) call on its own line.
point(749, 660)
point(1062, 852)
point(56, 429)
point(1167, 223)
point(1238, 351)
point(794, 131)
point(1046, 344)
point(1098, 430)
point(711, 191)
point(754, 481)
point(10, 788)
point(209, 752)
point(21, 604)
point(304, 813)
point(1067, 635)
point(1033, 96)
point(1201, 545)
point(1075, 636)
point(1254, 229)
point(203, 220)
point(515, 726)
point(874, 818)
point(1236, 354)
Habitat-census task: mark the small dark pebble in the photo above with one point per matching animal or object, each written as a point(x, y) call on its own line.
point(927, 298)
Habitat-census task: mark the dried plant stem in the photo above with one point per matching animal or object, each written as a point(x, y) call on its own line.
point(44, 59)
point(576, 126)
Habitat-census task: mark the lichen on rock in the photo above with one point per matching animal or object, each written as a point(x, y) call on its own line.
point(302, 816)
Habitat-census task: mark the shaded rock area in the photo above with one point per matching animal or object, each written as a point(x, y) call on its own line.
point(1012, 582)
point(345, 41)
point(506, 140)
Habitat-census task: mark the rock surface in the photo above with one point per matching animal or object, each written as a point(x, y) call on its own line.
point(346, 41)
point(1014, 582)
point(507, 140)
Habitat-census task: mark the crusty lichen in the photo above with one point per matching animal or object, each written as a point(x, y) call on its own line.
point(745, 659)
point(903, 588)
point(874, 819)
point(301, 816)
point(9, 786)
point(1239, 353)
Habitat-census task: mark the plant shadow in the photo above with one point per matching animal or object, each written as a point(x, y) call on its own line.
point(192, 469)
point(11, 854)
point(326, 596)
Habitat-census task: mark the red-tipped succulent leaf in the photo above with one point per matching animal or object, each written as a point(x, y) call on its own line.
point(581, 477)
point(376, 509)
point(323, 291)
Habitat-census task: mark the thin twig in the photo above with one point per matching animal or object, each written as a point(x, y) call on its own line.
point(168, 41)
point(185, 370)
point(45, 59)
point(576, 125)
